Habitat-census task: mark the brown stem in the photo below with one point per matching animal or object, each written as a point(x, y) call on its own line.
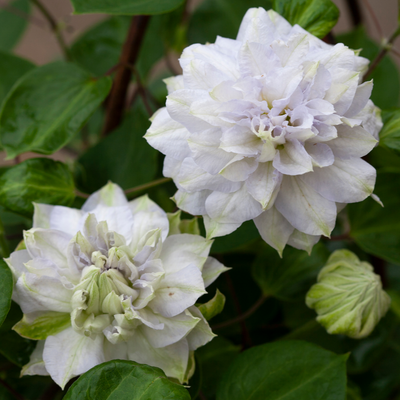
point(29, 18)
point(130, 52)
point(54, 27)
point(81, 194)
point(243, 316)
point(355, 12)
point(382, 53)
point(142, 91)
point(344, 236)
point(11, 390)
point(147, 185)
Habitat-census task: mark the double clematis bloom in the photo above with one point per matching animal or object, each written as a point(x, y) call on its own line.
point(111, 281)
point(269, 127)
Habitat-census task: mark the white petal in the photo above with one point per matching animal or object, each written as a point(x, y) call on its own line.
point(304, 208)
point(239, 171)
point(346, 181)
point(48, 243)
point(61, 218)
point(264, 184)
point(302, 241)
point(352, 142)
point(255, 59)
point(240, 140)
point(42, 293)
point(212, 269)
point(292, 51)
point(215, 229)
point(199, 74)
point(293, 159)
point(168, 136)
point(16, 262)
point(174, 83)
point(70, 354)
point(36, 364)
point(234, 207)
point(201, 334)
point(274, 229)
point(110, 195)
point(321, 154)
point(172, 359)
point(175, 329)
point(192, 178)
point(179, 251)
point(192, 203)
point(361, 98)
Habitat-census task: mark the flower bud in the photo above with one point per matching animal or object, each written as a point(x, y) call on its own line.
point(348, 296)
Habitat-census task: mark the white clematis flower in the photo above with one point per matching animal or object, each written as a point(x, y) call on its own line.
point(109, 282)
point(270, 127)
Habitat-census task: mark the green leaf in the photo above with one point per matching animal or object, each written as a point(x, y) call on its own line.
point(43, 326)
point(99, 48)
point(316, 16)
point(220, 17)
point(125, 7)
point(125, 380)
point(242, 236)
point(11, 69)
point(213, 360)
point(38, 180)
point(289, 370)
point(13, 26)
point(6, 289)
point(389, 136)
point(48, 106)
point(385, 93)
point(12, 346)
point(213, 307)
point(376, 229)
point(123, 157)
point(289, 277)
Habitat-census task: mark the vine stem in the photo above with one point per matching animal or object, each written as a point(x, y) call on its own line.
point(54, 27)
point(244, 316)
point(344, 236)
point(130, 52)
point(147, 185)
point(11, 390)
point(385, 49)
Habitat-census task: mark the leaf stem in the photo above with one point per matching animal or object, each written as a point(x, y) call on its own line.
point(81, 194)
point(243, 316)
point(147, 185)
point(130, 52)
point(4, 248)
point(54, 27)
point(384, 50)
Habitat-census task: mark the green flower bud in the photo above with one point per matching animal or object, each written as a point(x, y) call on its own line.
point(348, 296)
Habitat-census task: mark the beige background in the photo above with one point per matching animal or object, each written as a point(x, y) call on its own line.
point(40, 46)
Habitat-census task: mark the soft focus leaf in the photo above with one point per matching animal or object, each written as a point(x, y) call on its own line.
point(124, 157)
point(220, 17)
point(38, 180)
point(213, 307)
point(316, 16)
point(12, 346)
point(12, 26)
point(290, 276)
point(288, 370)
point(389, 136)
point(376, 229)
point(99, 48)
point(125, 380)
point(385, 93)
point(48, 107)
point(125, 7)
point(214, 358)
point(6, 288)
point(11, 69)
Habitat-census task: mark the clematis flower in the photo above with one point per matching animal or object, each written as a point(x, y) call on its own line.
point(270, 127)
point(110, 282)
point(348, 296)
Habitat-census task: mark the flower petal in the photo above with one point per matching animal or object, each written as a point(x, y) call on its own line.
point(201, 334)
point(110, 195)
point(70, 354)
point(293, 159)
point(302, 241)
point(212, 269)
point(304, 208)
